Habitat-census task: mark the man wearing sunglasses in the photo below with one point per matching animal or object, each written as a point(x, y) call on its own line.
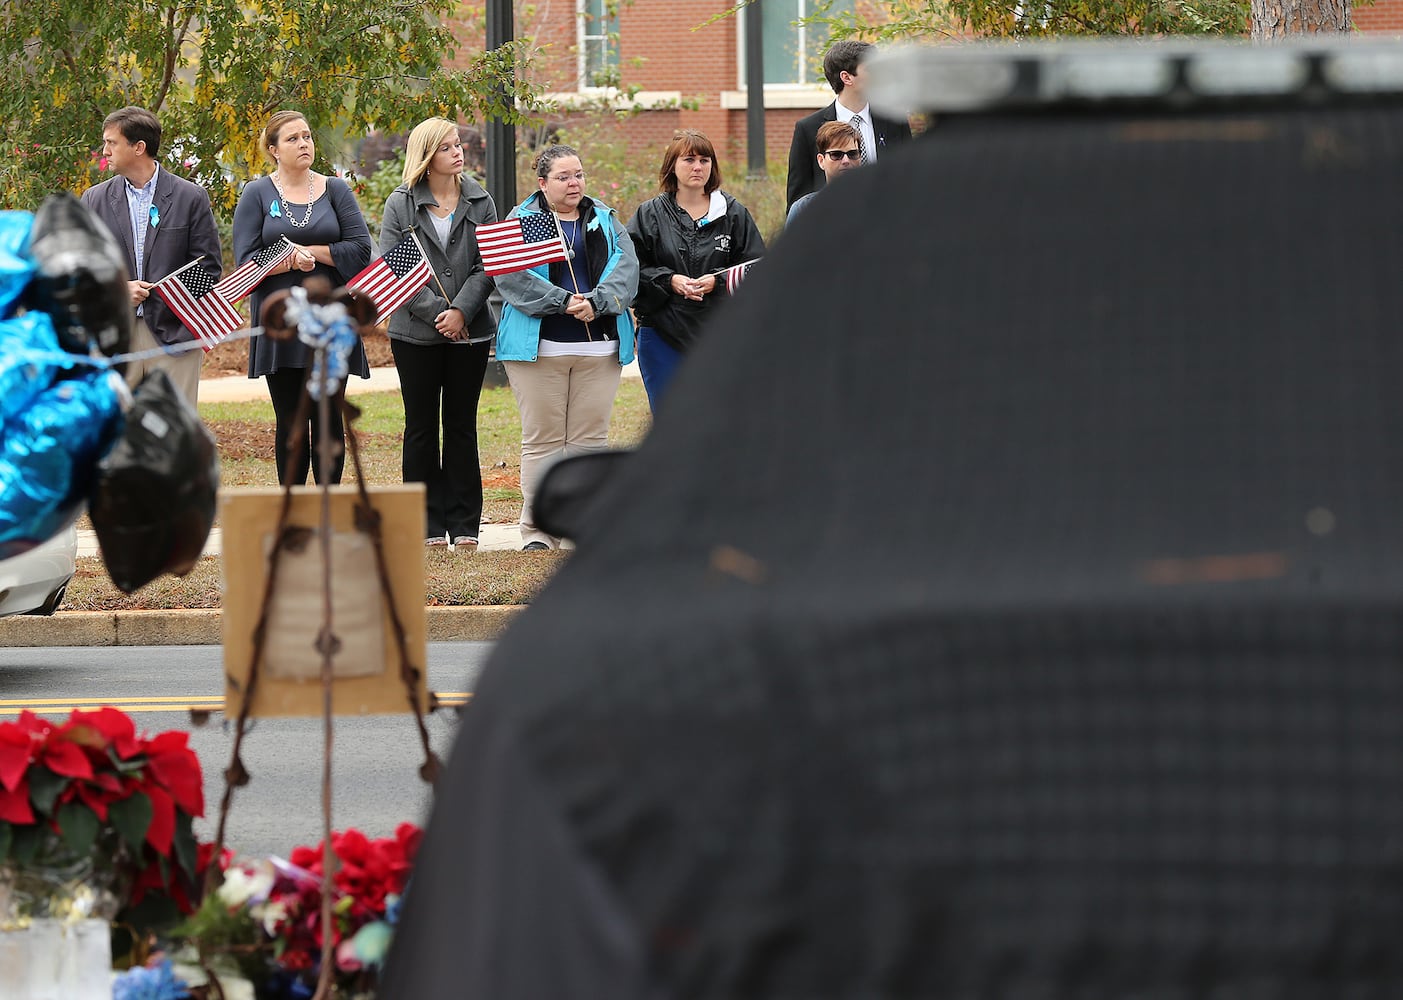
point(843, 67)
point(838, 152)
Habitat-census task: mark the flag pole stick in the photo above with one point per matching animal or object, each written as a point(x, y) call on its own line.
point(569, 262)
point(178, 270)
point(415, 236)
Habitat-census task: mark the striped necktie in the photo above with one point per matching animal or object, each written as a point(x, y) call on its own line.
point(856, 122)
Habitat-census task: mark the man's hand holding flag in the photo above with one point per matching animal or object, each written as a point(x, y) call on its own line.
point(190, 293)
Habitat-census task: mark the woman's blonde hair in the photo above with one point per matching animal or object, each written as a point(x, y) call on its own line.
point(423, 144)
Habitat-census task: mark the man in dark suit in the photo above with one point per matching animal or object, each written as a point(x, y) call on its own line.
point(842, 65)
point(162, 222)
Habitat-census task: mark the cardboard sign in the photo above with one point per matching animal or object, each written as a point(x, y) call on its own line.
point(366, 664)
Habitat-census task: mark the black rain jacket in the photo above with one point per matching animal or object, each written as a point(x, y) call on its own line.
point(669, 242)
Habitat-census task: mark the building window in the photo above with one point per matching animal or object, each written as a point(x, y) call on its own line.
point(599, 42)
point(793, 51)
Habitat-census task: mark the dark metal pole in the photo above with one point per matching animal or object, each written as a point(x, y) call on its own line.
point(501, 137)
point(755, 91)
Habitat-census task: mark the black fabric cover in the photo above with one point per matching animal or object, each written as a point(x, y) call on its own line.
point(1008, 602)
point(153, 503)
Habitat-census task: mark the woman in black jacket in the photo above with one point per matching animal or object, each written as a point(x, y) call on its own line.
point(440, 337)
point(684, 238)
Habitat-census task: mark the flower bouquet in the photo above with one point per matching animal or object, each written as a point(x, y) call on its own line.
point(97, 821)
point(265, 920)
point(95, 828)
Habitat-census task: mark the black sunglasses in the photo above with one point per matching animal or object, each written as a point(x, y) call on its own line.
point(837, 154)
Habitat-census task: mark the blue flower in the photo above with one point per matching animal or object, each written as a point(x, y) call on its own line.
point(157, 983)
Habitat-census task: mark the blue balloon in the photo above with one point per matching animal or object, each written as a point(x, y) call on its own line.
point(59, 415)
point(16, 266)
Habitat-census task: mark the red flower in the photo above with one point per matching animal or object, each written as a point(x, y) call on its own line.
point(204, 854)
point(176, 767)
point(16, 750)
point(33, 740)
point(106, 727)
point(161, 832)
point(14, 804)
point(104, 789)
point(409, 837)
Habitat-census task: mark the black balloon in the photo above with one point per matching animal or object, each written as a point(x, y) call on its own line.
point(81, 279)
point(154, 501)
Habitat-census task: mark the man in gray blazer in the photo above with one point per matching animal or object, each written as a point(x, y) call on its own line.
point(162, 222)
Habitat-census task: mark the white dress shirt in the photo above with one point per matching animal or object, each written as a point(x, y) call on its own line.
point(870, 149)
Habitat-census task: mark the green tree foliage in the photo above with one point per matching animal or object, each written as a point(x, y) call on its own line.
point(907, 20)
point(214, 70)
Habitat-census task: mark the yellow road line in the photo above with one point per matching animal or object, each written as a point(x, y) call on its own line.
point(107, 701)
point(173, 703)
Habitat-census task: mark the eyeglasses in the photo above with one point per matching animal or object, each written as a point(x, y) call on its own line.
point(567, 178)
point(837, 154)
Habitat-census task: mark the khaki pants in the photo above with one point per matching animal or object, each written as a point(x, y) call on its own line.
point(565, 407)
point(183, 369)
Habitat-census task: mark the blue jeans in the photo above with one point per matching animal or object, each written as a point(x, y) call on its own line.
point(657, 363)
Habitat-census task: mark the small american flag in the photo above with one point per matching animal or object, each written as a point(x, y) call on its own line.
point(244, 279)
point(515, 245)
point(207, 314)
point(735, 273)
point(395, 278)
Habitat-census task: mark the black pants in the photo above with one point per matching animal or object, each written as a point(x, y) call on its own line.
point(443, 379)
point(285, 386)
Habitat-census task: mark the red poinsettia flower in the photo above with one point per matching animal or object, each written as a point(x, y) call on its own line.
point(16, 752)
point(409, 837)
point(161, 833)
point(103, 728)
point(149, 880)
point(175, 766)
point(14, 804)
point(98, 794)
point(31, 739)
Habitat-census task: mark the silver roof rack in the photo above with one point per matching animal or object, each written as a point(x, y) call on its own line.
point(1005, 76)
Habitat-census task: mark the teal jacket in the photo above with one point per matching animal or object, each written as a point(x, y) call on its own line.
point(528, 295)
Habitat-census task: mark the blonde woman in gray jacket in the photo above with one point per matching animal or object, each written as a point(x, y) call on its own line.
point(441, 336)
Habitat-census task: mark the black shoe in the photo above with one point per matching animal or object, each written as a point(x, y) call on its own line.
point(535, 547)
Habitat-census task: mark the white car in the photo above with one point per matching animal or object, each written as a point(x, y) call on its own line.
point(34, 581)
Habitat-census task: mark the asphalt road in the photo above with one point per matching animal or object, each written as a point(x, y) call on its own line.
point(376, 759)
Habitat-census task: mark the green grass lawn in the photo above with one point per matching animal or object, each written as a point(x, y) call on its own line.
point(245, 435)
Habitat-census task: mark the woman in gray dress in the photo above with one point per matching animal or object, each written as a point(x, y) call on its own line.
point(440, 337)
point(319, 214)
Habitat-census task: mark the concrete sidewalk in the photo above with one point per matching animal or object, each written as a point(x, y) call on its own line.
point(240, 388)
point(491, 538)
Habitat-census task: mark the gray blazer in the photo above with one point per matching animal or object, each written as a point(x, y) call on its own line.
point(185, 230)
point(457, 268)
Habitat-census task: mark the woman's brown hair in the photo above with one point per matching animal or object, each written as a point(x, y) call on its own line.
point(274, 126)
point(684, 141)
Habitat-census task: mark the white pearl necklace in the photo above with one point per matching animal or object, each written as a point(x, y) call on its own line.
point(287, 210)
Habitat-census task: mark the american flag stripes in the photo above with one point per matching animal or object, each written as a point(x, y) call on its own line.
point(207, 314)
point(516, 244)
point(245, 278)
point(395, 278)
point(733, 275)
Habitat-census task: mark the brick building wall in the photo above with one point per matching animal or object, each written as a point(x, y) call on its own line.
point(1385, 17)
point(689, 73)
